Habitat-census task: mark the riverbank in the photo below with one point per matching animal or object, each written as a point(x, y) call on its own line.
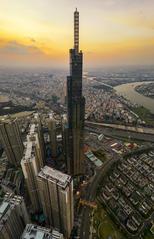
point(146, 89)
point(145, 115)
point(128, 92)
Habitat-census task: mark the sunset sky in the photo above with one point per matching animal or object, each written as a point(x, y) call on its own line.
point(112, 32)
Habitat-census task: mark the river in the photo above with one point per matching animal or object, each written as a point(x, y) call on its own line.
point(128, 91)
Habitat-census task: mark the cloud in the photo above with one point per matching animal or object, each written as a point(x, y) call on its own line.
point(16, 48)
point(14, 53)
point(32, 40)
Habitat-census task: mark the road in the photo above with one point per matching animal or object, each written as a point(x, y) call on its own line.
point(144, 130)
point(119, 133)
point(91, 191)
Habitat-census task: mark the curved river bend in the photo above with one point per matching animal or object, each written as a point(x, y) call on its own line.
point(128, 91)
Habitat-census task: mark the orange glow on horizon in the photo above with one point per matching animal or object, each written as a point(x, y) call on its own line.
point(31, 32)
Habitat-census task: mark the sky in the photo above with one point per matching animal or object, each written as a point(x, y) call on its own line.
point(112, 32)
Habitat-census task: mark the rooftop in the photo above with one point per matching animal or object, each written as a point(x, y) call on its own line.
point(32, 128)
point(28, 151)
point(31, 141)
point(55, 176)
point(3, 208)
point(51, 116)
point(9, 202)
point(7, 120)
point(36, 232)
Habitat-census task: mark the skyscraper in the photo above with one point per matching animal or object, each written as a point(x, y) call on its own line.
point(31, 164)
point(11, 140)
point(13, 217)
point(52, 135)
point(75, 106)
point(56, 193)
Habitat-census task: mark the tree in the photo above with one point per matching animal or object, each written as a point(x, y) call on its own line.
point(55, 98)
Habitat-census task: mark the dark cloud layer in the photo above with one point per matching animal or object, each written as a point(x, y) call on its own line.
point(14, 47)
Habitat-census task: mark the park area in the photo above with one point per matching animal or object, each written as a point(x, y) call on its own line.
point(104, 227)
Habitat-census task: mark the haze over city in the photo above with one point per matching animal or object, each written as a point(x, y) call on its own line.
point(76, 119)
point(113, 32)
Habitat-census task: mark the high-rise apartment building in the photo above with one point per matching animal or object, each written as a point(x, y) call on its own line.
point(31, 163)
point(52, 135)
point(13, 217)
point(41, 141)
point(56, 193)
point(75, 106)
point(65, 137)
point(36, 232)
point(36, 136)
point(11, 140)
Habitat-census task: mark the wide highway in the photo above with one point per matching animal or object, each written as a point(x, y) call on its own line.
point(121, 132)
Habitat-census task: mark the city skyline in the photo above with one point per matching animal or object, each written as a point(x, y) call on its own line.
point(113, 32)
point(76, 153)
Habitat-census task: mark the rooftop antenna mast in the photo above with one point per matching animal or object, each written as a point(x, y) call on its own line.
point(76, 30)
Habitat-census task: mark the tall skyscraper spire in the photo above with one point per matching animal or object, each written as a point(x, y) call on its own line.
point(76, 30)
point(75, 107)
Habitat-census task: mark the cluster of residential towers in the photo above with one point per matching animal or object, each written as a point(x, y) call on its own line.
point(49, 190)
